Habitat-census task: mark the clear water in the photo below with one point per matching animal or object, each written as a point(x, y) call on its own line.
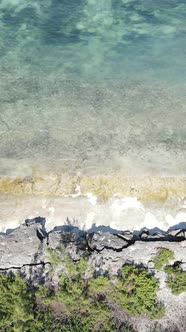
point(93, 84)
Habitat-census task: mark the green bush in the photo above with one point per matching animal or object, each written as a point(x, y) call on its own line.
point(76, 293)
point(176, 279)
point(162, 258)
point(136, 291)
point(16, 304)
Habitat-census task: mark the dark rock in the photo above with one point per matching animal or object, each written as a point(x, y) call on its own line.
point(78, 238)
point(99, 241)
point(175, 235)
point(75, 243)
point(41, 234)
point(155, 237)
point(36, 220)
point(67, 238)
point(144, 234)
point(39, 224)
point(181, 233)
point(128, 236)
point(20, 247)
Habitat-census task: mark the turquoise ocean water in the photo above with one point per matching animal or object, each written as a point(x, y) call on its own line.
point(93, 84)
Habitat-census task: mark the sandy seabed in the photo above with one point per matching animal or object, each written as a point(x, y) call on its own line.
point(63, 142)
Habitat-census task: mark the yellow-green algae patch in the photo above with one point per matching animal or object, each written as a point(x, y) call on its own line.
point(146, 188)
point(16, 186)
point(38, 185)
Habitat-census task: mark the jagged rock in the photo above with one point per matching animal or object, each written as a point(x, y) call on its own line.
point(173, 236)
point(99, 241)
point(75, 243)
point(20, 247)
point(28, 246)
point(78, 238)
point(39, 224)
point(180, 233)
point(74, 253)
point(36, 220)
point(156, 237)
point(128, 236)
point(41, 234)
point(144, 234)
point(61, 237)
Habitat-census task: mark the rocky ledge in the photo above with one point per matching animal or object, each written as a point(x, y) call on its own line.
point(27, 245)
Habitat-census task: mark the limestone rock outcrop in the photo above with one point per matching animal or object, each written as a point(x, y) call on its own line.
point(28, 245)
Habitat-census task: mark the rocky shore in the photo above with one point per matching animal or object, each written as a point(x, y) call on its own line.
point(27, 244)
point(26, 251)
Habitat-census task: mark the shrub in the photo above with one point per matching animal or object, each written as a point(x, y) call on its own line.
point(16, 304)
point(162, 258)
point(136, 291)
point(176, 279)
point(54, 258)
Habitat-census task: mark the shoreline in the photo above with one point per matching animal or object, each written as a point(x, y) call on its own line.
point(87, 211)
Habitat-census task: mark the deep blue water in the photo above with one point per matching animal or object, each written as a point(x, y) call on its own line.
point(94, 39)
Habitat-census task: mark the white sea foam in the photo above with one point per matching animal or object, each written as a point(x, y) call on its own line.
point(87, 212)
point(119, 205)
point(151, 222)
point(92, 198)
point(181, 216)
point(90, 220)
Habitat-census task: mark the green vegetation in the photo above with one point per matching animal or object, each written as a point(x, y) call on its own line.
point(54, 258)
point(21, 309)
point(136, 291)
point(162, 258)
point(176, 279)
point(80, 302)
point(16, 304)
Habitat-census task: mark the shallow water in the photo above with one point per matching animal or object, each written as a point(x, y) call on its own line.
point(93, 86)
